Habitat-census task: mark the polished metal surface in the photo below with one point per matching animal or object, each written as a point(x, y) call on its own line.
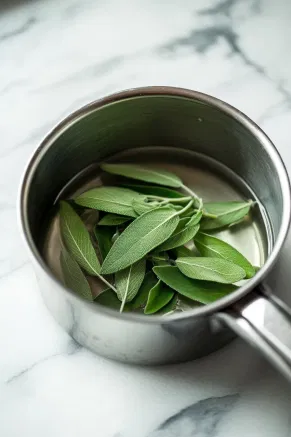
point(148, 117)
point(265, 323)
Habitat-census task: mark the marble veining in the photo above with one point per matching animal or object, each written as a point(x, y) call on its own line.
point(54, 57)
point(72, 348)
point(201, 419)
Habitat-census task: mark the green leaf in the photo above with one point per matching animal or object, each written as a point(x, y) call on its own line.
point(195, 219)
point(113, 220)
point(151, 190)
point(188, 214)
point(186, 304)
point(129, 280)
point(141, 298)
point(159, 296)
point(109, 199)
point(104, 236)
point(226, 213)
point(160, 259)
point(183, 251)
point(140, 207)
point(182, 234)
point(139, 238)
point(77, 239)
point(160, 177)
point(108, 298)
point(210, 269)
point(214, 247)
point(170, 307)
point(74, 278)
point(200, 291)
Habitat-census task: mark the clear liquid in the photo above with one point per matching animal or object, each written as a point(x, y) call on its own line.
point(209, 179)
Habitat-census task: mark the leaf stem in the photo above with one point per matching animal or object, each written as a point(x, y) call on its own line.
point(194, 196)
point(97, 274)
point(205, 214)
point(106, 282)
point(180, 200)
point(122, 305)
point(185, 208)
point(152, 196)
point(208, 215)
point(166, 200)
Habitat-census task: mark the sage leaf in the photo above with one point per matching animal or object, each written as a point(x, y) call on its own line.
point(159, 296)
point(160, 259)
point(77, 239)
point(183, 251)
point(108, 298)
point(186, 304)
point(180, 236)
point(104, 237)
point(226, 213)
point(150, 280)
point(201, 291)
point(188, 214)
point(113, 220)
point(139, 238)
point(140, 207)
point(128, 281)
point(109, 199)
point(151, 190)
point(214, 247)
point(195, 219)
point(170, 307)
point(73, 276)
point(160, 177)
point(210, 269)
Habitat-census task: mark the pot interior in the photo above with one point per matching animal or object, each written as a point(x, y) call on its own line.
point(208, 178)
point(216, 150)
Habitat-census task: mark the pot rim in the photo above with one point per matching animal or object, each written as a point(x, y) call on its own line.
point(254, 129)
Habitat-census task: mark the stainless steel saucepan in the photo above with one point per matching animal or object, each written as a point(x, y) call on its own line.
point(216, 149)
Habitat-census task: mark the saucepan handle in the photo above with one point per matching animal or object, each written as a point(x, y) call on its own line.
point(264, 321)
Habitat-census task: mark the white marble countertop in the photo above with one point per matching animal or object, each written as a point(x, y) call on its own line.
point(55, 56)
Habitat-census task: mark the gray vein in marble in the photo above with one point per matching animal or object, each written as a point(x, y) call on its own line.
point(31, 367)
point(76, 8)
point(202, 40)
point(13, 84)
point(18, 31)
point(201, 419)
point(90, 72)
point(11, 271)
point(73, 347)
point(35, 136)
point(6, 5)
point(225, 7)
point(273, 110)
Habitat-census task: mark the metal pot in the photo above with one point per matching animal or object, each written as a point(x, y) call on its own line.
point(159, 117)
